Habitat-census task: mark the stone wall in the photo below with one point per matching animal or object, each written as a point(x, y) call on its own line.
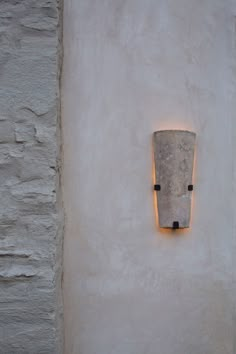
point(30, 209)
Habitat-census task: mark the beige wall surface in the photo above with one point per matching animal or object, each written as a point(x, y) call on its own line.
point(132, 67)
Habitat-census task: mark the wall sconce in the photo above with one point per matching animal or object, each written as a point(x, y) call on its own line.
point(174, 157)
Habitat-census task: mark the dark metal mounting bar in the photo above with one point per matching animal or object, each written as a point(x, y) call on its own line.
point(157, 187)
point(175, 225)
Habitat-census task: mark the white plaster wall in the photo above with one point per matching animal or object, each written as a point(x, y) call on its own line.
point(132, 67)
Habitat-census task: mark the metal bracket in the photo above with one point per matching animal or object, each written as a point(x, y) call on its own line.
point(175, 225)
point(157, 187)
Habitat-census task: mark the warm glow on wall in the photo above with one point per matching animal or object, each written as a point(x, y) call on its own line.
point(174, 158)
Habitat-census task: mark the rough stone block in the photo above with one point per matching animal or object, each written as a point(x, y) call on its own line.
point(30, 212)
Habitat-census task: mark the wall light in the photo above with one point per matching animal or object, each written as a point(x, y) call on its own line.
point(173, 157)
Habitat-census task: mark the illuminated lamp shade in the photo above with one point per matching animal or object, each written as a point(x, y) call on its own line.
point(174, 159)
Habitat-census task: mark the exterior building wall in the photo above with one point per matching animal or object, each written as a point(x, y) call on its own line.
point(132, 67)
point(31, 218)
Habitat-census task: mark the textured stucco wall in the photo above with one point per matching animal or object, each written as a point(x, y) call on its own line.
point(30, 209)
point(132, 67)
